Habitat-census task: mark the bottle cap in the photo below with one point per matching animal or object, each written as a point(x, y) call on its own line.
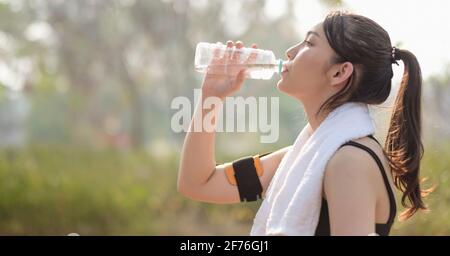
point(280, 65)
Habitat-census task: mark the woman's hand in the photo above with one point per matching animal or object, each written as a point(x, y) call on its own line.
point(222, 85)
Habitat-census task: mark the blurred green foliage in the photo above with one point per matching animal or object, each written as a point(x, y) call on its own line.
point(56, 190)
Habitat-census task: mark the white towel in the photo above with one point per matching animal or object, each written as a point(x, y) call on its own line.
point(294, 196)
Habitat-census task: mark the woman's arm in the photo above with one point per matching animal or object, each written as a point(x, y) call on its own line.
point(199, 177)
point(350, 192)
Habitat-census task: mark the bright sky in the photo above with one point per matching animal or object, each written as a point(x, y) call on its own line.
point(422, 27)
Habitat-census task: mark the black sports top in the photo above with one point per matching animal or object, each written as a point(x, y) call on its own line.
point(323, 227)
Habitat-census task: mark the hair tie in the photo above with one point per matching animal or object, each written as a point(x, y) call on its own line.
point(394, 56)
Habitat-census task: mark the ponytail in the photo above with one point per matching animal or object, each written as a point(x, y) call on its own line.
point(403, 145)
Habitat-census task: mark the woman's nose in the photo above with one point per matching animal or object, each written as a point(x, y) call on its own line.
point(290, 53)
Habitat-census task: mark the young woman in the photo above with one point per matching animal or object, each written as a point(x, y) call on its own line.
point(345, 58)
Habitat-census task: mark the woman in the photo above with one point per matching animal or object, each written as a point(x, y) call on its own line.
point(346, 58)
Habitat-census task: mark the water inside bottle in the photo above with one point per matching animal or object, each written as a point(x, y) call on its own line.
point(255, 71)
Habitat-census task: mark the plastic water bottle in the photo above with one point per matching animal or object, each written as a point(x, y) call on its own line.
point(262, 65)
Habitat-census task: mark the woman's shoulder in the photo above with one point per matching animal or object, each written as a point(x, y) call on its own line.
point(352, 162)
point(352, 156)
point(352, 165)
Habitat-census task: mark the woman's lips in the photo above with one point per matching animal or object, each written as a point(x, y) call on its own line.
point(284, 69)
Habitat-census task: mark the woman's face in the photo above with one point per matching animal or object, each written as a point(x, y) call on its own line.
point(309, 68)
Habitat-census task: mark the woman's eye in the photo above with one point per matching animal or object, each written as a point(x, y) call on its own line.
point(307, 42)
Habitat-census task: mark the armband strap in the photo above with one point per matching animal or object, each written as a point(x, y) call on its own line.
point(229, 171)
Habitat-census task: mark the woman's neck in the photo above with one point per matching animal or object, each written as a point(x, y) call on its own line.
point(311, 109)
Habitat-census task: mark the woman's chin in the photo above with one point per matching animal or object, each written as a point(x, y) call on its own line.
point(281, 85)
point(284, 88)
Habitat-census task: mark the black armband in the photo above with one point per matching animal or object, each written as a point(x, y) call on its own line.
point(247, 179)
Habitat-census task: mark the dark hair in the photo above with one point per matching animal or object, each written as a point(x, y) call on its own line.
point(365, 44)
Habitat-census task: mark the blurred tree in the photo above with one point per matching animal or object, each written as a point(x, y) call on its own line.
point(436, 94)
point(121, 62)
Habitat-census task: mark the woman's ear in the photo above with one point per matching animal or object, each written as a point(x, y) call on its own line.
point(340, 73)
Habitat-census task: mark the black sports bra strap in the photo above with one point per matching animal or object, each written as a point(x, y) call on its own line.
point(373, 138)
point(393, 208)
